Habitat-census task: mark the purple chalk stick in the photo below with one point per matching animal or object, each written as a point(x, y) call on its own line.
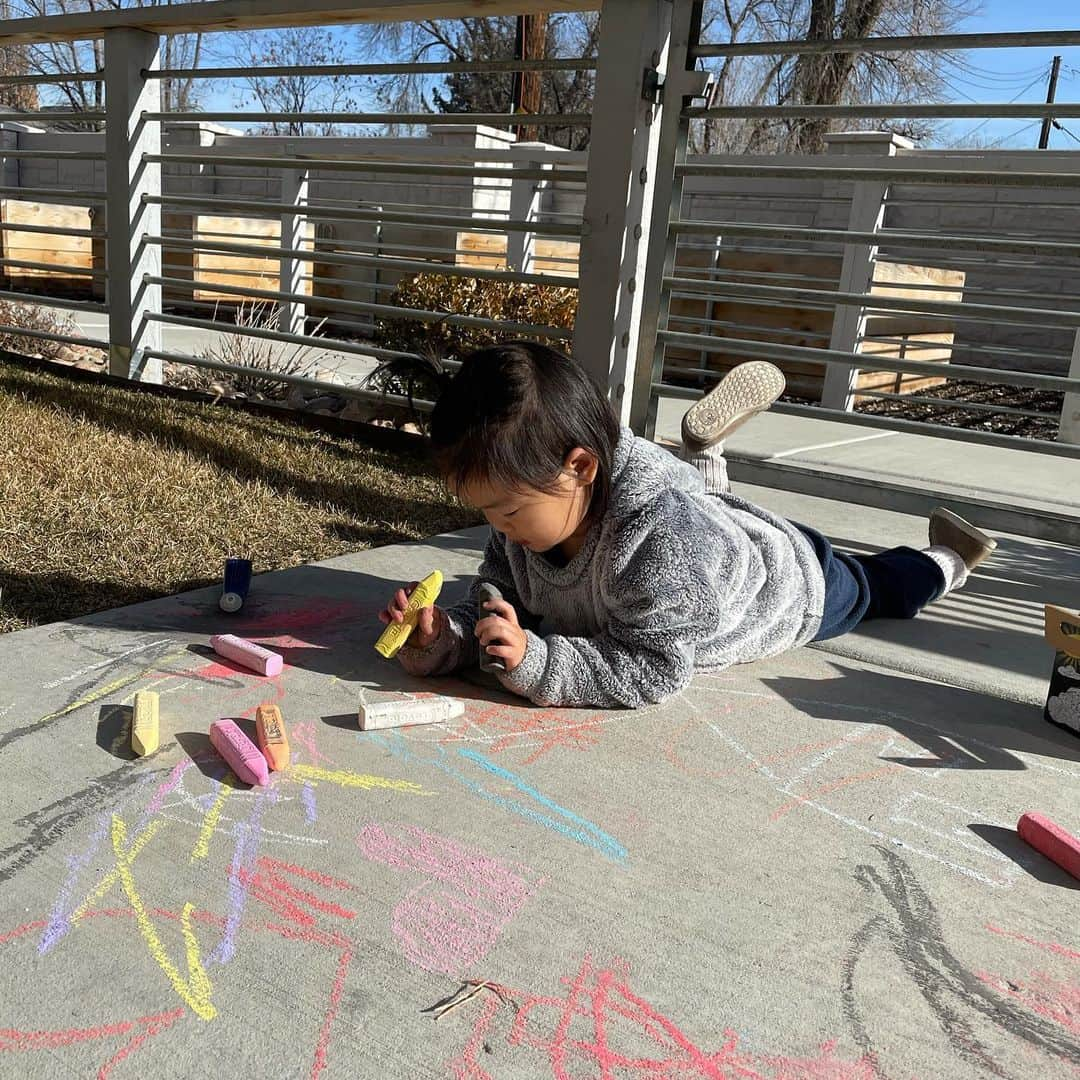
point(239, 751)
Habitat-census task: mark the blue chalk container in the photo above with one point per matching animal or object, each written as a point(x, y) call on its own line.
point(237, 582)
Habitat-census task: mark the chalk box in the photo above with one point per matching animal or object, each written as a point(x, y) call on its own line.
point(1063, 696)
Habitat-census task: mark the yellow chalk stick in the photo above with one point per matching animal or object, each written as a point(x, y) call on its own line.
point(396, 634)
point(144, 723)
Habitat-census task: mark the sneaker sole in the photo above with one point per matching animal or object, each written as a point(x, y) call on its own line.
point(745, 391)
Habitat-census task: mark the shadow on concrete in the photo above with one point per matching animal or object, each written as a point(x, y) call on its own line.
point(51, 596)
point(197, 746)
point(325, 618)
point(347, 721)
point(996, 620)
point(114, 731)
point(1038, 866)
point(959, 729)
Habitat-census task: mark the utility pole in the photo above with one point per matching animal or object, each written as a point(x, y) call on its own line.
point(1051, 91)
point(530, 43)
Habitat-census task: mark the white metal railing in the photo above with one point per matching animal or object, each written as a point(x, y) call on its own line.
point(659, 300)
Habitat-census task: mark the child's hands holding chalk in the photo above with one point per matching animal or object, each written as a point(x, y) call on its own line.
point(500, 635)
point(429, 620)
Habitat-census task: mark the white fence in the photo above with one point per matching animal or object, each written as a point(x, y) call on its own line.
point(664, 244)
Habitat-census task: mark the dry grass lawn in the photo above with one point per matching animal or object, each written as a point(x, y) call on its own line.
point(109, 496)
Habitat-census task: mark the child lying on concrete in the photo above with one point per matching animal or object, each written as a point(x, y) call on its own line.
point(624, 569)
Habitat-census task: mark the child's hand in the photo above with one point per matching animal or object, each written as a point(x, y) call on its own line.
point(500, 634)
point(429, 620)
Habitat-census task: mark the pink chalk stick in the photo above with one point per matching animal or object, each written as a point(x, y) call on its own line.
point(247, 653)
point(239, 751)
point(1052, 840)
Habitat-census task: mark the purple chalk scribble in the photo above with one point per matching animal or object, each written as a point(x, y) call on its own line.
point(60, 919)
point(307, 795)
point(247, 835)
point(169, 785)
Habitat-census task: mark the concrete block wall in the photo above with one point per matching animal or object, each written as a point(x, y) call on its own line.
point(977, 210)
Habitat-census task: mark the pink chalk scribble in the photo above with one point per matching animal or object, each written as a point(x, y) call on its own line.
point(1048, 995)
point(449, 928)
point(1043, 994)
point(601, 1028)
point(539, 731)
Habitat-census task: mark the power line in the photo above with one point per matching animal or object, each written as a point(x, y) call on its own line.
point(1038, 78)
point(1061, 127)
point(1012, 135)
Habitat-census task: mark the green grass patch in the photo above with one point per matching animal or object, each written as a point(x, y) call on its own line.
point(109, 496)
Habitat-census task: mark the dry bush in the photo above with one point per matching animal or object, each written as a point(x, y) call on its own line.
point(510, 301)
point(32, 317)
point(269, 356)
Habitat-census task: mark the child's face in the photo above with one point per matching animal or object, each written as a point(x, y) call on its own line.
point(538, 520)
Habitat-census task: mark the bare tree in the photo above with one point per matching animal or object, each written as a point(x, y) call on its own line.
point(465, 40)
point(299, 46)
point(84, 57)
point(822, 78)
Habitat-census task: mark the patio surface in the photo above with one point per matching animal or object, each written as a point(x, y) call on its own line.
point(804, 869)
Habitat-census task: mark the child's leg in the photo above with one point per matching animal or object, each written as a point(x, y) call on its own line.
point(899, 583)
point(745, 391)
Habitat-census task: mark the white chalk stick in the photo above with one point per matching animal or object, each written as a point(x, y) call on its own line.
point(389, 714)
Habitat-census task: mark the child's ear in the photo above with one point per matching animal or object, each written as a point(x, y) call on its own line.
point(582, 465)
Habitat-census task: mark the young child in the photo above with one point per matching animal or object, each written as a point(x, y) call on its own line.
point(624, 569)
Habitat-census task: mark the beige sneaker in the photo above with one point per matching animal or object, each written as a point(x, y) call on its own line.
point(952, 531)
point(742, 393)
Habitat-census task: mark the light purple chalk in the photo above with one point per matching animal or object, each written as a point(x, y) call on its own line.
point(247, 653)
point(307, 795)
point(247, 835)
point(239, 751)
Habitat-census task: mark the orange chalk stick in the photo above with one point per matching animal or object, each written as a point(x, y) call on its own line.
point(270, 731)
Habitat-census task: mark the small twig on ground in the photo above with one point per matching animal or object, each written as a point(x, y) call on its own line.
point(461, 995)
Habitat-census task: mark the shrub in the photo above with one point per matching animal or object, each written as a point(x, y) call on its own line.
point(511, 301)
point(252, 352)
point(32, 317)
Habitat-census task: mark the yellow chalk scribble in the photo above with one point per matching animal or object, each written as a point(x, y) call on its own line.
point(213, 816)
point(193, 991)
point(107, 882)
point(358, 780)
point(111, 688)
point(95, 695)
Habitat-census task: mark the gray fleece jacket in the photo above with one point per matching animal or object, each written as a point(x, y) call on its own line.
point(673, 580)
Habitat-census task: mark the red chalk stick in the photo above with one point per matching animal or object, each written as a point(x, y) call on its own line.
point(1051, 840)
point(239, 751)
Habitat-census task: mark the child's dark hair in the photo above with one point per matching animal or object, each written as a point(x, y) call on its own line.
point(513, 413)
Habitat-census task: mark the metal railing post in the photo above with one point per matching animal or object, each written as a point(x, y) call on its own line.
point(292, 314)
point(632, 58)
point(857, 270)
point(1069, 429)
point(682, 83)
point(526, 203)
point(129, 55)
point(856, 276)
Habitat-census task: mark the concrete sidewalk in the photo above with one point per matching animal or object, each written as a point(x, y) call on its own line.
point(897, 469)
point(803, 868)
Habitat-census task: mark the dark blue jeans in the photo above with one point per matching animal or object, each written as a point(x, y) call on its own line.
point(895, 584)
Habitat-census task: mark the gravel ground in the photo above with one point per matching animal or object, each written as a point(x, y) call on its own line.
point(1047, 402)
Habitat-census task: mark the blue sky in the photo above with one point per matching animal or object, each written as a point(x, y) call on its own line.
point(994, 75)
point(1002, 75)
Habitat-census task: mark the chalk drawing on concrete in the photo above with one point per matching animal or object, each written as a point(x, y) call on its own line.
point(453, 919)
point(597, 1025)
